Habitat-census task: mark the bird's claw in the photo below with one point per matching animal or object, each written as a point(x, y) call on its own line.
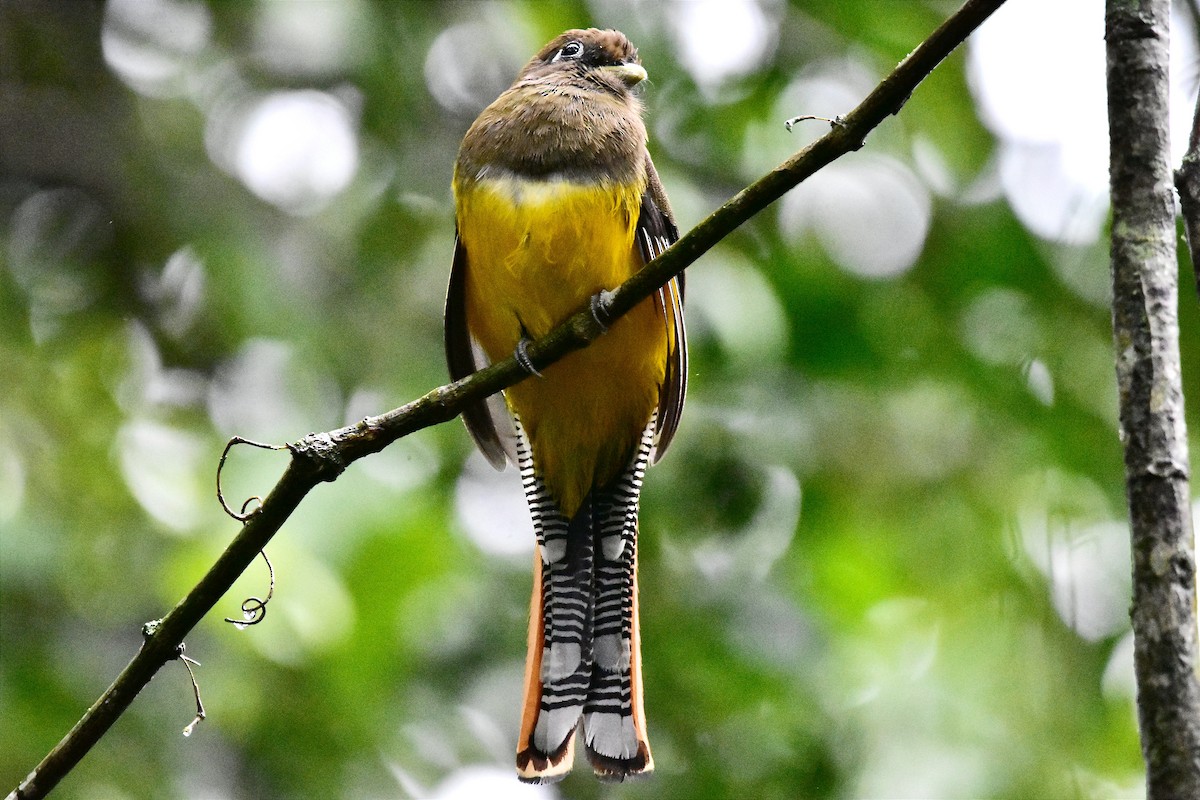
point(521, 354)
point(599, 306)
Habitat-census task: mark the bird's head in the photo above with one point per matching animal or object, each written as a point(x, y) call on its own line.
point(605, 58)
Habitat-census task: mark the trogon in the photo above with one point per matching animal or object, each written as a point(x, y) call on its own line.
point(556, 202)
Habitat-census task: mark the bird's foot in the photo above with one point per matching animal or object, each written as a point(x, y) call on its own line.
point(599, 305)
point(521, 354)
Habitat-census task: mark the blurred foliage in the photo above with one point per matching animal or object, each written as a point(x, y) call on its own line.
point(885, 557)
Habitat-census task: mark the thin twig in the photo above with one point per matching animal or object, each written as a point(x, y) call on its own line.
point(791, 123)
point(200, 715)
point(1187, 183)
point(322, 457)
point(1193, 8)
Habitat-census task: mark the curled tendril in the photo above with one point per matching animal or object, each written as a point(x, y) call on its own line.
point(254, 609)
point(243, 516)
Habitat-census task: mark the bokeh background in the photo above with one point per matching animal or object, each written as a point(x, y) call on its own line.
point(886, 558)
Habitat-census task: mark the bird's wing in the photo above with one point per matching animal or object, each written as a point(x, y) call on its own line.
point(656, 231)
point(489, 422)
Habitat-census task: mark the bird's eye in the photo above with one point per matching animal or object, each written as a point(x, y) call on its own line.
point(569, 50)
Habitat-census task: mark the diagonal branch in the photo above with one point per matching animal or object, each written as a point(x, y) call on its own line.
point(323, 456)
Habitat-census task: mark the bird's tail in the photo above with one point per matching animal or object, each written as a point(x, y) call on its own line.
point(584, 660)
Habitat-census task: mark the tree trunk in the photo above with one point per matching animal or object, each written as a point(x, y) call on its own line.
point(1146, 334)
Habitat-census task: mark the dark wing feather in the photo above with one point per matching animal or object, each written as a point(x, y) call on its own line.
point(656, 231)
point(488, 422)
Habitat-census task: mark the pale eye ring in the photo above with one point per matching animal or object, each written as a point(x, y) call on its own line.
point(570, 50)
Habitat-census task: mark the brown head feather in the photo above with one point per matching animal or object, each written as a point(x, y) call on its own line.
point(570, 113)
point(599, 48)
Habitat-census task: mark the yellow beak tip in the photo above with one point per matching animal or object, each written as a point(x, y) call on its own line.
point(630, 74)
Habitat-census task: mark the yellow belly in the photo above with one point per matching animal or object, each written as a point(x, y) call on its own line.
point(536, 251)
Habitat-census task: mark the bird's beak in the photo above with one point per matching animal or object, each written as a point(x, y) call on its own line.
point(628, 74)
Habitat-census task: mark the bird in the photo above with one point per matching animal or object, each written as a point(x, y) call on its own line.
point(557, 202)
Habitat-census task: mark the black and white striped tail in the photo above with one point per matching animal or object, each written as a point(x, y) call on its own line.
point(584, 661)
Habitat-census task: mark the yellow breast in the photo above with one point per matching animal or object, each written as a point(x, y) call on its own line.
point(536, 251)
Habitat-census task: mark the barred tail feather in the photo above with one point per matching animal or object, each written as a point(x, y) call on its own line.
point(584, 660)
point(613, 718)
point(534, 765)
point(559, 662)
